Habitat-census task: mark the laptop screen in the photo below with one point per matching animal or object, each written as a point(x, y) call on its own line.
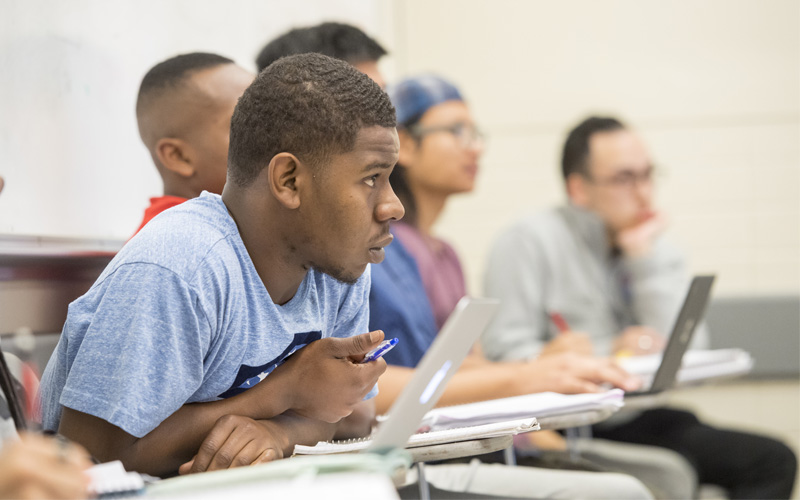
point(469, 319)
point(691, 314)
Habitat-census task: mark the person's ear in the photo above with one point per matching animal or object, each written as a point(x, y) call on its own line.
point(408, 148)
point(176, 156)
point(286, 177)
point(577, 189)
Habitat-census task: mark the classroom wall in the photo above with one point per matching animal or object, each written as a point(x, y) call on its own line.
point(712, 85)
point(69, 147)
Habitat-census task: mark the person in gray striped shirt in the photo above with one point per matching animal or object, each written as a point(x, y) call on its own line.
point(599, 265)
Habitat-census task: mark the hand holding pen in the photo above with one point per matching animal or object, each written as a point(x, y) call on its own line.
point(379, 351)
point(566, 340)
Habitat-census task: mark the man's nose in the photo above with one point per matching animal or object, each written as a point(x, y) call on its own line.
point(390, 207)
point(643, 186)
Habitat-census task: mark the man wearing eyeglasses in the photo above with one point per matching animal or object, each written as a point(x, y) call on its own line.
point(599, 261)
point(599, 265)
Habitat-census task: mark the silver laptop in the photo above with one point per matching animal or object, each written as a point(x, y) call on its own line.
point(692, 312)
point(469, 319)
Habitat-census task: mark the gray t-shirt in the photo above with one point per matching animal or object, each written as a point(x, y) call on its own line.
point(181, 316)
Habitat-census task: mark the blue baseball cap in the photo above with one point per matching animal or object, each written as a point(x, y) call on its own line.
point(412, 97)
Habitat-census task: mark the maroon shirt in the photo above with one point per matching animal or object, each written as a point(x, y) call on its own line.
point(439, 267)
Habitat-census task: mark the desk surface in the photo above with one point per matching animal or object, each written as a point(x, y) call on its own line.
point(460, 449)
point(392, 464)
point(333, 486)
point(645, 401)
point(575, 419)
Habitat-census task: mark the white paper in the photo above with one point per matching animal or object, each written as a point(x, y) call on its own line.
point(696, 365)
point(540, 405)
point(111, 477)
point(505, 428)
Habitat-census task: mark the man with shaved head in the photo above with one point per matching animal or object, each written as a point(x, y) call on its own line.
point(184, 111)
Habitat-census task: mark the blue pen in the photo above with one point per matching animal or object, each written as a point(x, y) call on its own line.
point(379, 351)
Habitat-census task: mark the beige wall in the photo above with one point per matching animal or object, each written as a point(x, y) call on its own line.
point(714, 87)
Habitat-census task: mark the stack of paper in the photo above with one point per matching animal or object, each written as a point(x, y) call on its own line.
point(541, 405)
point(451, 435)
point(697, 365)
point(111, 478)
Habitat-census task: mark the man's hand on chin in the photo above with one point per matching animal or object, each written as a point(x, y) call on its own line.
point(638, 240)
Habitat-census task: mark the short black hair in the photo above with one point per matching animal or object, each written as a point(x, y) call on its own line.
point(574, 159)
point(337, 40)
point(174, 71)
point(309, 105)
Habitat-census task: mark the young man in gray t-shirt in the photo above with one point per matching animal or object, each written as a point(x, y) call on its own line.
point(230, 320)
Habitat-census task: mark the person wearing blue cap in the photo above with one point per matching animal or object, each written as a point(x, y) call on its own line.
point(421, 280)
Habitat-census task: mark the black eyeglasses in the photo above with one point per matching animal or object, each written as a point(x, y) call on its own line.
point(627, 180)
point(467, 134)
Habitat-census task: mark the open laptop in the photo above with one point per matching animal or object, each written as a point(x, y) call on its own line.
point(691, 314)
point(466, 323)
point(454, 341)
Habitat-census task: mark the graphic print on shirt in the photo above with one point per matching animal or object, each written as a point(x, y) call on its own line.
point(249, 376)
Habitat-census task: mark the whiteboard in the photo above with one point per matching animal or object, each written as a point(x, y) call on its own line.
point(70, 151)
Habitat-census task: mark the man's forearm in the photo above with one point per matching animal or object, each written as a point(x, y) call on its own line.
point(174, 441)
point(302, 430)
point(359, 423)
point(308, 431)
point(181, 434)
point(297, 429)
